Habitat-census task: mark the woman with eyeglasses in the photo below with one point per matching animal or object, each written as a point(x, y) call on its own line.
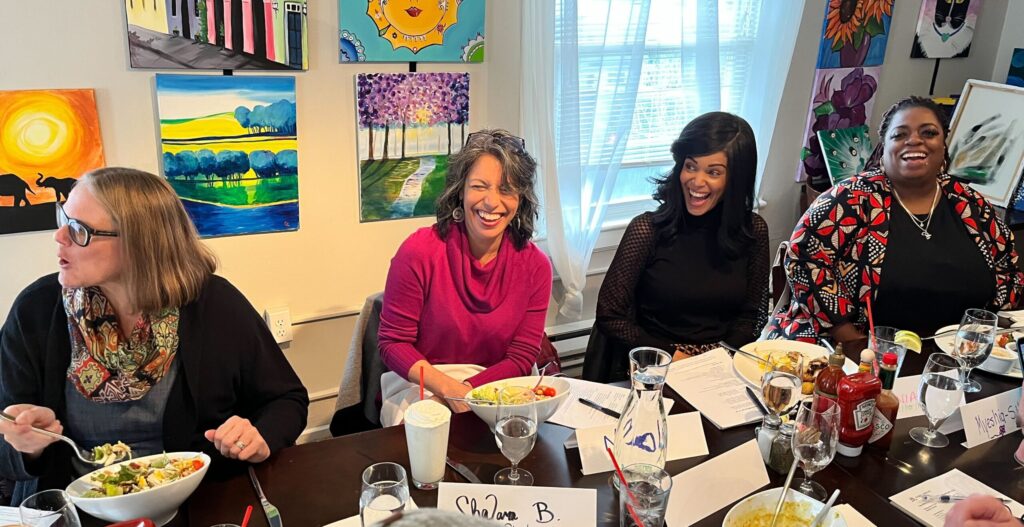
point(136, 340)
point(695, 271)
point(465, 299)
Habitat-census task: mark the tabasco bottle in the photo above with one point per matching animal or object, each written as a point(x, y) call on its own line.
point(826, 385)
point(886, 404)
point(856, 397)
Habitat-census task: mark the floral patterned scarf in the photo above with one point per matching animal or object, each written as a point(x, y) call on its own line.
point(106, 367)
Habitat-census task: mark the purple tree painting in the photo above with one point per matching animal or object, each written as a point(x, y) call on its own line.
point(412, 113)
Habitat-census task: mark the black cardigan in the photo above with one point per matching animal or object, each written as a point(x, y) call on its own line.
point(229, 360)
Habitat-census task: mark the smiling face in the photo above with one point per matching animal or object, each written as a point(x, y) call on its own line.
point(703, 180)
point(489, 207)
point(413, 17)
point(915, 145)
point(98, 263)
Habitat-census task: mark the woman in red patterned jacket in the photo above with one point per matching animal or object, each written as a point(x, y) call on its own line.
point(923, 246)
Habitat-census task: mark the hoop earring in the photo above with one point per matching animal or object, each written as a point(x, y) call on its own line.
point(457, 214)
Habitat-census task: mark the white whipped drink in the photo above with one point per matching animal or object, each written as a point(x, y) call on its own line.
point(426, 435)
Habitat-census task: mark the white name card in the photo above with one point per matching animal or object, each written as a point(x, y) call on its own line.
point(991, 417)
point(685, 439)
point(521, 506)
point(906, 389)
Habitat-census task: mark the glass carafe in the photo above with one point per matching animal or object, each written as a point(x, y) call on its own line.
point(641, 435)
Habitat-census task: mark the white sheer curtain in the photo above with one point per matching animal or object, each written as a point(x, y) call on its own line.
point(608, 82)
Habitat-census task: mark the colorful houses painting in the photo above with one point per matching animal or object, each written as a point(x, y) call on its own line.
point(230, 151)
point(48, 139)
point(218, 34)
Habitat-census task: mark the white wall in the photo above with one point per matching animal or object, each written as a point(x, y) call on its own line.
point(333, 262)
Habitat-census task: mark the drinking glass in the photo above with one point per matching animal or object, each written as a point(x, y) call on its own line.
point(973, 343)
point(49, 508)
point(515, 432)
point(650, 486)
point(780, 386)
point(881, 340)
point(814, 442)
point(385, 492)
point(939, 396)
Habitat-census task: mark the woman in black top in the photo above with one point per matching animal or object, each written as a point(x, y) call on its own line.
point(694, 271)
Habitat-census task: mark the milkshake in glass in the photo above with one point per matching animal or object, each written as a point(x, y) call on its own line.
point(426, 434)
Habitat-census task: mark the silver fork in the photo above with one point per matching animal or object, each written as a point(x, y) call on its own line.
point(78, 452)
point(273, 516)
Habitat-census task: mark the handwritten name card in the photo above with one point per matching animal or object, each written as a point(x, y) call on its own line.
point(991, 417)
point(521, 506)
point(906, 389)
point(685, 439)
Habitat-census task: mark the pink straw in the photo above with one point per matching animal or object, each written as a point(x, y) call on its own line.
point(248, 514)
point(421, 383)
point(625, 486)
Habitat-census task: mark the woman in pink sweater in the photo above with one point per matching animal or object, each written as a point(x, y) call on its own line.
point(473, 288)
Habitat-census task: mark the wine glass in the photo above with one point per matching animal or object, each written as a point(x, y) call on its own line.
point(814, 442)
point(385, 492)
point(515, 432)
point(940, 393)
point(49, 508)
point(780, 386)
point(973, 343)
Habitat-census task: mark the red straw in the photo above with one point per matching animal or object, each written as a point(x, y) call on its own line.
point(625, 486)
point(248, 514)
point(871, 331)
point(421, 383)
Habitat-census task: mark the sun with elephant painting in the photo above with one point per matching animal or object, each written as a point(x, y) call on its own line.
point(48, 139)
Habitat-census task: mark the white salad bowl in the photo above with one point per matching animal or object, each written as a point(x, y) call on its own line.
point(159, 504)
point(488, 412)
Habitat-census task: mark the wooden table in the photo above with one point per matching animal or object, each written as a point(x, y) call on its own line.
point(318, 483)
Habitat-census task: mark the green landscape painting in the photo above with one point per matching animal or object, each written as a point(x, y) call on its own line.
point(230, 151)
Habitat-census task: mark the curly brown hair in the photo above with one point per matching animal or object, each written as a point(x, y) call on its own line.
point(518, 175)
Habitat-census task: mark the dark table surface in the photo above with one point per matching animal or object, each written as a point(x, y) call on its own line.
point(319, 483)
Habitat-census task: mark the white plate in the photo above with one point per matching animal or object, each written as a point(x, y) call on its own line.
point(750, 370)
point(946, 345)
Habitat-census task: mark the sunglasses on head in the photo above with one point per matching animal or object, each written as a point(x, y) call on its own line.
point(500, 136)
point(80, 233)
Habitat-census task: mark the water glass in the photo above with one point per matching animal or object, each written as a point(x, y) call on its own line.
point(650, 486)
point(814, 442)
point(515, 432)
point(940, 393)
point(385, 492)
point(781, 385)
point(49, 508)
point(881, 340)
point(973, 344)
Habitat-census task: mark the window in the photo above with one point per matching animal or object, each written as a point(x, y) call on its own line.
point(696, 59)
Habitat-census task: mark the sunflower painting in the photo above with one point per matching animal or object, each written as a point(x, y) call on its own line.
point(854, 33)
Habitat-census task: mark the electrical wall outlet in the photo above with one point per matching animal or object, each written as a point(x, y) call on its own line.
point(279, 321)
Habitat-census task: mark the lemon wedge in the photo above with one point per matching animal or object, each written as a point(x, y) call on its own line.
point(908, 339)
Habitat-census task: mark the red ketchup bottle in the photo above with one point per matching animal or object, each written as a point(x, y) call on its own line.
point(856, 398)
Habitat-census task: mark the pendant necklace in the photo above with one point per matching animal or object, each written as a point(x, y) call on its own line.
point(924, 224)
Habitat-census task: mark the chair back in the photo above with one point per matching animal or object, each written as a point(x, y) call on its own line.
point(605, 360)
point(780, 292)
point(364, 415)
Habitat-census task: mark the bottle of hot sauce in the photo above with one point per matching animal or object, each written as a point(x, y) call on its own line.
point(856, 397)
point(827, 384)
point(887, 405)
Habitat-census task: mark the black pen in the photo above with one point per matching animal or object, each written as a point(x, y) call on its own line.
point(757, 402)
point(606, 411)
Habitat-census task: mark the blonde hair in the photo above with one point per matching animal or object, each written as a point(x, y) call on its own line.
point(165, 263)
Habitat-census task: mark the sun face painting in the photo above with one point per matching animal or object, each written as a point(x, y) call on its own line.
point(48, 139)
point(411, 30)
point(229, 151)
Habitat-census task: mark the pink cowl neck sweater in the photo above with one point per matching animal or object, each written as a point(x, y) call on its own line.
point(441, 305)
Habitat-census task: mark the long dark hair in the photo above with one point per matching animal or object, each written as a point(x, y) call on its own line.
point(914, 101)
point(710, 133)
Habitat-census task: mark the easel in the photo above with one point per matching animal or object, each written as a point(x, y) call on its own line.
point(935, 74)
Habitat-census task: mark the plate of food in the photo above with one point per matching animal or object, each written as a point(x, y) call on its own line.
point(815, 359)
point(799, 510)
point(551, 393)
point(146, 487)
point(1003, 359)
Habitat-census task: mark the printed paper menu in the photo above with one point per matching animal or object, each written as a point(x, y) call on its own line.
point(921, 501)
point(708, 382)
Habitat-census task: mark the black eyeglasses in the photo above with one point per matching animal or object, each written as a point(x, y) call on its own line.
point(500, 136)
point(79, 232)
